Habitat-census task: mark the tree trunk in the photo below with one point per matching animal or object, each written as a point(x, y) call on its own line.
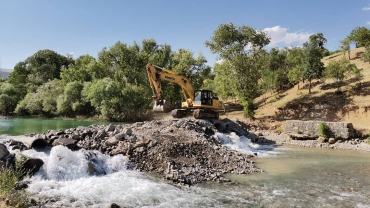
point(349, 55)
point(309, 86)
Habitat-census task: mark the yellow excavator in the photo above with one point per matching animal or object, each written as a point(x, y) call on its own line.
point(203, 103)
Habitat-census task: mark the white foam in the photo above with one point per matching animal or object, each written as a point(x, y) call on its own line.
point(64, 178)
point(244, 145)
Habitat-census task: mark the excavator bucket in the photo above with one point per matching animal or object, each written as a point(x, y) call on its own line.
point(162, 106)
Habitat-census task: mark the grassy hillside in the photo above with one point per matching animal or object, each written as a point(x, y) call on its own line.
point(352, 105)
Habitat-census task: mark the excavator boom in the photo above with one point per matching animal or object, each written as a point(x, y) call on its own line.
point(202, 102)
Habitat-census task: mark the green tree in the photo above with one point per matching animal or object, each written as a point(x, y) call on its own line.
point(295, 75)
point(360, 36)
point(224, 81)
point(15, 94)
point(278, 69)
point(357, 73)
point(241, 47)
point(345, 46)
point(312, 66)
point(294, 62)
point(43, 101)
point(84, 69)
point(44, 66)
point(72, 103)
point(21, 108)
point(20, 73)
point(320, 41)
point(105, 96)
point(338, 70)
point(6, 103)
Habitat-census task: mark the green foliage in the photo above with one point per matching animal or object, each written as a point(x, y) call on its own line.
point(241, 47)
point(9, 96)
point(44, 66)
point(43, 101)
point(21, 108)
point(366, 56)
point(224, 85)
point(338, 70)
point(72, 103)
point(106, 97)
point(19, 74)
point(295, 75)
point(312, 66)
point(6, 103)
point(8, 179)
point(324, 129)
point(360, 36)
point(85, 69)
point(345, 46)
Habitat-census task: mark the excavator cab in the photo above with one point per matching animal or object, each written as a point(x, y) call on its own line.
point(203, 97)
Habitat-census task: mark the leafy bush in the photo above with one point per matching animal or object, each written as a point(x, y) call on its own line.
point(324, 129)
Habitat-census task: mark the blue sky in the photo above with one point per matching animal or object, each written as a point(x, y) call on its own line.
point(85, 27)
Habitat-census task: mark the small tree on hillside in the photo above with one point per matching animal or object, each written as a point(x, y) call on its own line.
point(338, 70)
point(312, 66)
point(295, 75)
point(360, 36)
point(356, 72)
point(345, 47)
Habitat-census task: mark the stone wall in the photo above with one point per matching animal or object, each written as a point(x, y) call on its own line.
point(337, 129)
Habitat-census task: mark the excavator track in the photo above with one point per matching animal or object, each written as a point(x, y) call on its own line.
point(179, 113)
point(204, 114)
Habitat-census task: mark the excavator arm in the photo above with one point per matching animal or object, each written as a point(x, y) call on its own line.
point(155, 78)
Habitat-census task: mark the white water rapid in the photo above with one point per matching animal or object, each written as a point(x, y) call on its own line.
point(298, 177)
point(91, 179)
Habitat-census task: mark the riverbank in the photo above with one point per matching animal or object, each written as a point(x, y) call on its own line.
point(285, 139)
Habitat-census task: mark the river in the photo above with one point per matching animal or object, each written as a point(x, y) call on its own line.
point(292, 177)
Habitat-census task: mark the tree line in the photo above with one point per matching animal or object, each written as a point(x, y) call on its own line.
point(114, 86)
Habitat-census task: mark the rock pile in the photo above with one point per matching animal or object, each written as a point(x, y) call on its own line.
point(182, 150)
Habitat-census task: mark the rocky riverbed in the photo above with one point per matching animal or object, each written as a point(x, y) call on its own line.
point(321, 142)
point(184, 151)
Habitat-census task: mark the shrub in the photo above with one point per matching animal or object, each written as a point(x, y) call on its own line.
point(8, 179)
point(324, 129)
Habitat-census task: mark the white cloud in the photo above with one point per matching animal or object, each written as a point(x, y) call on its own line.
point(366, 8)
point(368, 23)
point(279, 34)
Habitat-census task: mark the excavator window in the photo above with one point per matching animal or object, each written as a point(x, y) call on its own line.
point(206, 97)
point(197, 96)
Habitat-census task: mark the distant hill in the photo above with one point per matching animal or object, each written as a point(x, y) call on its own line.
point(352, 105)
point(4, 73)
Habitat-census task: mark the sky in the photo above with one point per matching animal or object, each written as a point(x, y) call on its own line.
point(86, 27)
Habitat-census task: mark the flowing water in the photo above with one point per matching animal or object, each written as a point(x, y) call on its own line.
point(292, 177)
point(19, 126)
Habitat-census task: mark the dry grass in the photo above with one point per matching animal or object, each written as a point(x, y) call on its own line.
point(352, 105)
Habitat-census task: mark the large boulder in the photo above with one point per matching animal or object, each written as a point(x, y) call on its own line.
point(68, 142)
point(29, 164)
point(3, 151)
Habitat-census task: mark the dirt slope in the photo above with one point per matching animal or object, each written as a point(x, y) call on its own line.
point(352, 105)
